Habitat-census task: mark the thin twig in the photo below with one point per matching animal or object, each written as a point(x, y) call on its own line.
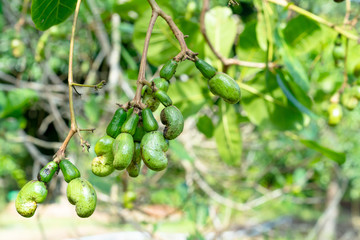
point(316, 18)
point(348, 12)
point(21, 20)
point(141, 77)
point(185, 52)
point(60, 154)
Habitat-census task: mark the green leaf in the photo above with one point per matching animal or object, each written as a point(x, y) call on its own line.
point(292, 64)
point(280, 80)
point(302, 33)
point(189, 96)
point(179, 150)
point(47, 13)
point(277, 112)
point(248, 48)
point(17, 101)
point(338, 157)
point(221, 37)
point(227, 134)
point(205, 125)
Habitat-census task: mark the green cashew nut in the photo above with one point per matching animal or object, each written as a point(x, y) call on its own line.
point(139, 133)
point(206, 69)
point(225, 87)
point(151, 101)
point(114, 127)
point(338, 52)
point(69, 170)
point(161, 84)
point(123, 150)
point(134, 168)
point(153, 148)
point(102, 165)
point(335, 113)
point(82, 194)
point(349, 100)
point(149, 122)
point(47, 172)
point(30, 195)
point(172, 118)
point(169, 69)
point(163, 98)
point(130, 124)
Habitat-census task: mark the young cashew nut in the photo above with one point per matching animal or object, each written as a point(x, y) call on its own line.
point(172, 118)
point(82, 194)
point(30, 195)
point(153, 148)
point(102, 165)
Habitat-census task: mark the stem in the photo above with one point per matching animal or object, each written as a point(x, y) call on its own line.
point(21, 21)
point(141, 76)
point(316, 18)
point(348, 11)
point(60, 154)
point(185, 52)
point(346, 78)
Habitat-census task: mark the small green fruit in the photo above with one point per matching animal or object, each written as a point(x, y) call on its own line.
point(161, 84)
point(348, 99)
point(206, 69)
point(123, 150)
point(225, 87)
point(102, 165)
point(151, 101)
point(169, 69)
point(335, 113)
point(82, 194)
point(357, 70)
point(114, 127)
point(134, 168)
point(139, 133)
point(355, 90)
point(338, 52)
point(69, 170)
point(17, 47)
point(163, 98)
point(30, 195)
point(130, 124)
point(149, 122)
point(153, 148)
point(172, 118)
point(47, 172)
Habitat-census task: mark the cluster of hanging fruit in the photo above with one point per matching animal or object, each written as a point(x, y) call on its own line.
point(133, 135)
point(79, 191)
point(350, 95)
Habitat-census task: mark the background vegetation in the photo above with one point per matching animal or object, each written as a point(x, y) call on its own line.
point(269, 167)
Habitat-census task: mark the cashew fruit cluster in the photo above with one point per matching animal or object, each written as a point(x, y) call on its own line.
point(220, 84)
point(133, 136)
point(79, 191)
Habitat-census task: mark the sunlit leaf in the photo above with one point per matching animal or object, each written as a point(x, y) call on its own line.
point(227, 135)
point(338, 157)
point(46, 14)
